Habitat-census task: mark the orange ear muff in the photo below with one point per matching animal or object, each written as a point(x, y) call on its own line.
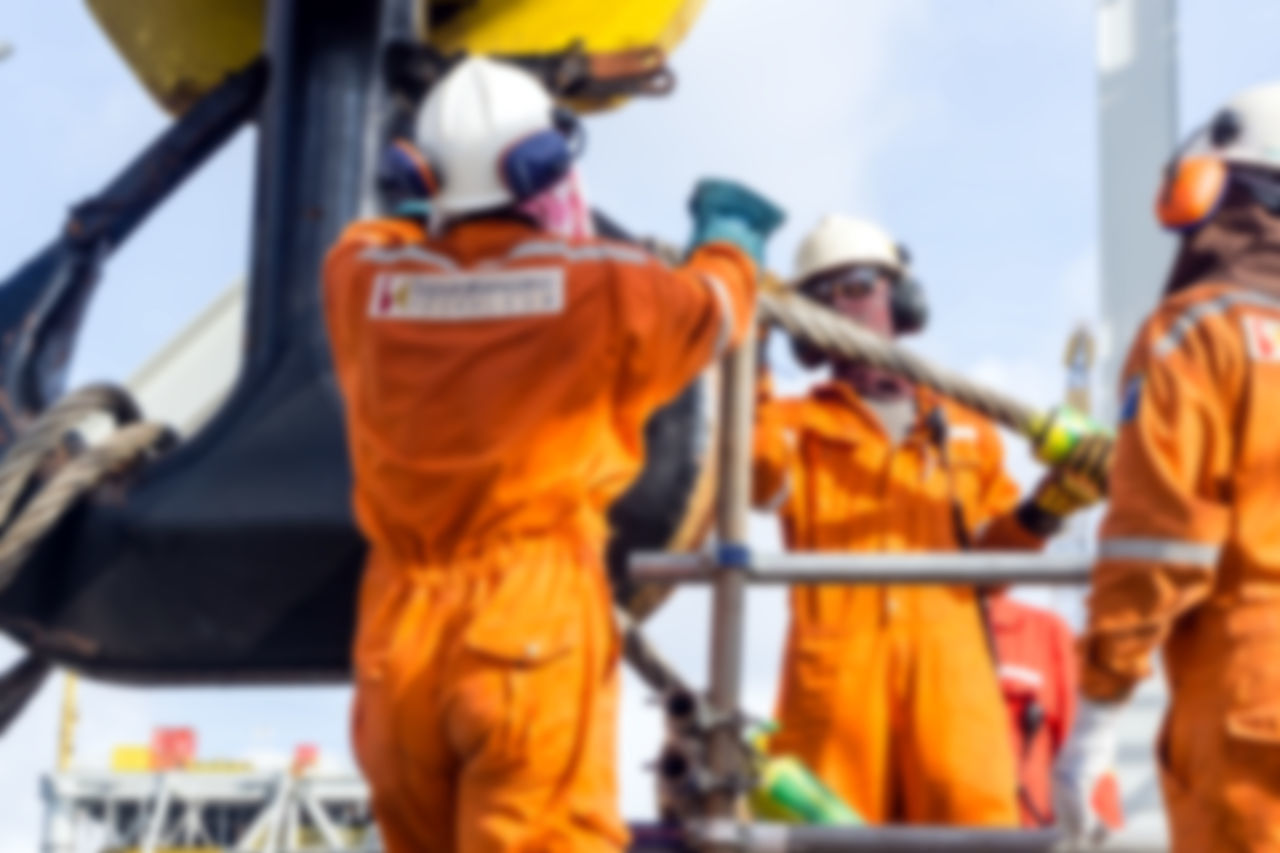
point(1192, 191)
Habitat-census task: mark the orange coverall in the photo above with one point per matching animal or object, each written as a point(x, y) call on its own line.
point(497, 383)
point(1189, 559)
point(1036, 656)
point(888, 692)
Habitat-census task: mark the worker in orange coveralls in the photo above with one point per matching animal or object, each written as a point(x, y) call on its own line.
point(1036, 667)
point(888, 692)
point(497, 378)
point(1189, 557)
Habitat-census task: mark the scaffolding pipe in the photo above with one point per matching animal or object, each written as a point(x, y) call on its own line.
point(779, 838)
point(737, 398)
point(967, 568)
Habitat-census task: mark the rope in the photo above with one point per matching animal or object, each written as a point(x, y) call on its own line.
point(44, 474)
point(82, 475)
point(25, 518)
point(47, 437)
point(828, 331)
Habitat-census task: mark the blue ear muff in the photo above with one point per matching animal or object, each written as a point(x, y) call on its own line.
point(537, 162)
point(405, 173)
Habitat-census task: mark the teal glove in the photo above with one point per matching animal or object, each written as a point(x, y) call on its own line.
point(726, 211)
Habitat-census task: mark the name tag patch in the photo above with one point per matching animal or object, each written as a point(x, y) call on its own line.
point(461, 296)
point(1263, 337)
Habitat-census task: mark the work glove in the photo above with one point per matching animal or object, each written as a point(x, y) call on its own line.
point(1087, 756)
point(726, 211)
point(1060, 493)
point(1071, 439)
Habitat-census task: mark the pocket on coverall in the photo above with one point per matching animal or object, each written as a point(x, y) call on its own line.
point(520, 680)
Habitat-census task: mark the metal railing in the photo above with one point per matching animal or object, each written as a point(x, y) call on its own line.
point(972, 567)
point(731, 566)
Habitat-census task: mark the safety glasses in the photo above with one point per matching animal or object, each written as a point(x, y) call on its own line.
point(848, 283)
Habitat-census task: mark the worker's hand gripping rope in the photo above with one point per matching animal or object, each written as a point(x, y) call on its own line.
point(1066, 438)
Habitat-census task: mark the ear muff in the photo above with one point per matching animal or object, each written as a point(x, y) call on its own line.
point(1193, 190)
point(405, 173)
point(908, 305)
point(538, 162)
point(1194, 187)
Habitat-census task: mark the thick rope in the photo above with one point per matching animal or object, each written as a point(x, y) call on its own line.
point(47, 437)
point(82, 475)
point(828, 331)
point(25, 518)
point(43, 476)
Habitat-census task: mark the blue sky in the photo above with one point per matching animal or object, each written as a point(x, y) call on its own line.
point(967, 128)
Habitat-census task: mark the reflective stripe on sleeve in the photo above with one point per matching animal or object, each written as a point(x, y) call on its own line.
point(1160, 551)
point(1191, 317)
point(728, 318)
point(1023, 674)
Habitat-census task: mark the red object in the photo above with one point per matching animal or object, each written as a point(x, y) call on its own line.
point(1037, 669)
point(305, 756)
point(172, 748)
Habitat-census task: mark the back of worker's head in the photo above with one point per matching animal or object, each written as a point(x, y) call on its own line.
point(1221, 189)
point(488, 137)
point(856, 268)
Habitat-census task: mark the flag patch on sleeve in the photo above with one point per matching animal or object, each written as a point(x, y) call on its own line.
point(1262, 336)
point(463, 296)
point(1130, 399)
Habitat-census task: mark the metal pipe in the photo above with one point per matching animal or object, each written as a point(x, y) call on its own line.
point(737, 398)
point(969, 568)
point(779, 838)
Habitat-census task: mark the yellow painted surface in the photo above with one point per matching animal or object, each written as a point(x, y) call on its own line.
point(131, 758)
point(545, 26)
point(179, 49)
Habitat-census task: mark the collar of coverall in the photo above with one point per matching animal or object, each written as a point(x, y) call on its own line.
point(844, 413)
point(486, 236)
point(1240, 244)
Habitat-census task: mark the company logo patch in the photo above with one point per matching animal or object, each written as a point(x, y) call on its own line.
point(1262, 336)
point(1130, 399)
point(963, 432)
point(462, 296)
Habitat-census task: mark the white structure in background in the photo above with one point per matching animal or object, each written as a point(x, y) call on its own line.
point(1137, 131)
point(193, 810)
point(183, 384)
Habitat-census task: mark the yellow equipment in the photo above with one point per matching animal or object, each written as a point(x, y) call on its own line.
point(181, 50)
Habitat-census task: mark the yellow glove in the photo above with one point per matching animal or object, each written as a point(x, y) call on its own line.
point(1067, 438)
point(1064, 491)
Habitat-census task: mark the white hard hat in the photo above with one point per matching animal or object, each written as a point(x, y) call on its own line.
point(1246, 130)
point(841, 241)
point(471, 118)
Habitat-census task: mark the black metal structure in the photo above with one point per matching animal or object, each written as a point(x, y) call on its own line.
point(235, 557)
